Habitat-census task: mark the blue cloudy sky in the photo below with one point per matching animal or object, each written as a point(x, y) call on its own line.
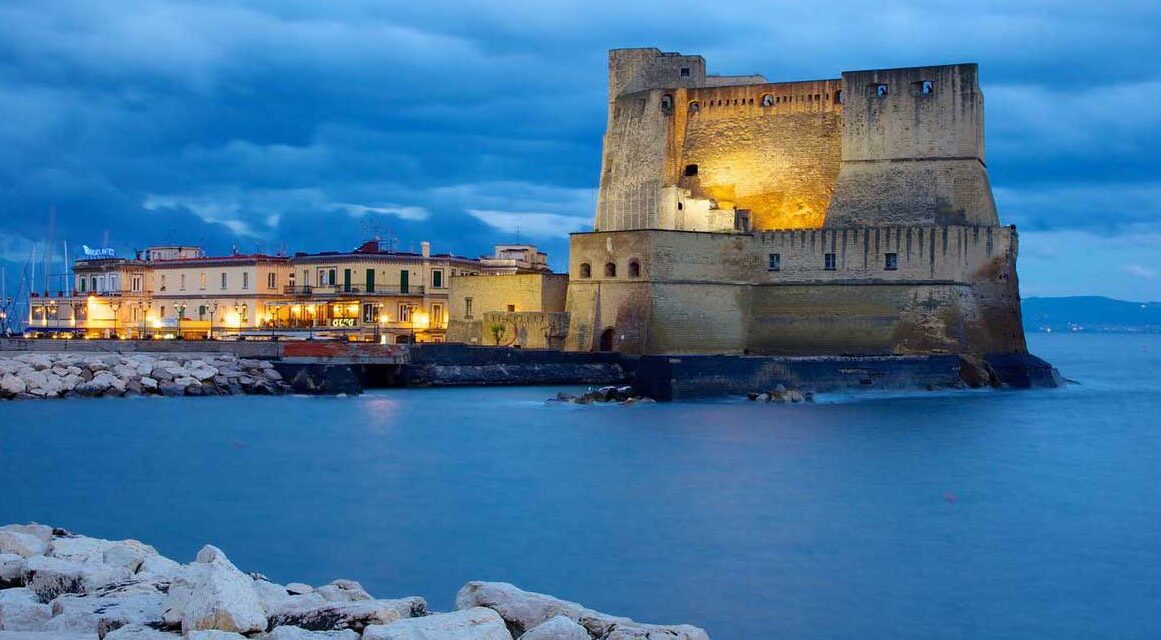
point(309, 125)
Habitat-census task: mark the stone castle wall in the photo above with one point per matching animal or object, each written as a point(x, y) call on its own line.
point(916, 154)
point(953, 291)
point(536, 319)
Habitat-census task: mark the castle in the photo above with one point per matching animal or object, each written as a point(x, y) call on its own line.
point(842, 216)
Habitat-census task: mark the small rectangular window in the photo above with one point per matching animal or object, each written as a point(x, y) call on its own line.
point(271, 280)
point(685, 72)
point(775, 262)
point(878, 90)
point(891, 262)
point(511, 308)
point(923, 87)
point(691, 169)
point(245, 279)
point(828, 262)
point(223, 280)
point(437, 278)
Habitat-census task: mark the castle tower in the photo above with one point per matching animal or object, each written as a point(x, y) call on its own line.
point(913, 149)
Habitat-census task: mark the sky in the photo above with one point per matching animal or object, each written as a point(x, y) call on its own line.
point(296, 125)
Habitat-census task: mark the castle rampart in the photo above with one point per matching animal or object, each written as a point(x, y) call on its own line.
point(738, 215)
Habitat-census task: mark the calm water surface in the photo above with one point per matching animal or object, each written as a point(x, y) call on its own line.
point(961, 515)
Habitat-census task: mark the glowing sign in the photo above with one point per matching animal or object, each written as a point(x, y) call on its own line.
point(342, 322)
point(106, 252)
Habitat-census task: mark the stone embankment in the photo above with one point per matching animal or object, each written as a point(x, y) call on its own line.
point(603, 395)
point(68, 375)
point(56, 585)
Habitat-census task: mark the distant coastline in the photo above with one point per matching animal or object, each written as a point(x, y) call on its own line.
point(1090, 314)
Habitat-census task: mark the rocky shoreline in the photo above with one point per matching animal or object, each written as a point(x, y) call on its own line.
point(57, 585)
point(70, 375)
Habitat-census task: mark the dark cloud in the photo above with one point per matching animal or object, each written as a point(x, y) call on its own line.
point(310, 125)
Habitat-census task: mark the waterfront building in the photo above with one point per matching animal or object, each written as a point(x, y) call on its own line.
point(367, 294)
point(509, 309)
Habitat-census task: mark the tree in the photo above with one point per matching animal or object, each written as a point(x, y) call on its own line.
point(498, 330)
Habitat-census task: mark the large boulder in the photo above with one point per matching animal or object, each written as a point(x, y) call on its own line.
point(557, 628)
point(214, 634)
point(22, 544)
point(12, 570)
point(50, 577)
point(211, 593)
point(138, 632)
point(112, 607)
point(478, 623)
point(343, 591)
point(357, 616)
point(24, 616)
point(525, 610)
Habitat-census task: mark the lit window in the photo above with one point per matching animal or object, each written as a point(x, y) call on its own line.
point(271, 280)
point(891, 262)
point(828, 262)
point(775, 262)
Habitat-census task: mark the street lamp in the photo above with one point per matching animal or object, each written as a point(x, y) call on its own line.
point(378, 320)
point(213, 312)
point(180, 308)
point(116, 305)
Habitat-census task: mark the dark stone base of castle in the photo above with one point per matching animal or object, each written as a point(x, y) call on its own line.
point(458, 364)
point(320, 379)
point(677, 377)
point(562, 373)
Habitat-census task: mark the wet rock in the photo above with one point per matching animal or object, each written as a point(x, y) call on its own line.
point(477, 623)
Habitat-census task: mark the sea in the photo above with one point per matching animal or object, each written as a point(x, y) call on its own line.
point(968, 514)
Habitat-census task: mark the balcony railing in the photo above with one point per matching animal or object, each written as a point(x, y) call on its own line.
point(354, 288)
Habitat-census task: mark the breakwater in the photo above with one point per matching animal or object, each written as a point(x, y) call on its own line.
point(87, 374)
point(54, 584)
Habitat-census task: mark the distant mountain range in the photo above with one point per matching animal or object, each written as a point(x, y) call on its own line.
point(1095, 314)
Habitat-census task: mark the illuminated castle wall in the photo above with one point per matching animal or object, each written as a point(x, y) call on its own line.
point(836, 216)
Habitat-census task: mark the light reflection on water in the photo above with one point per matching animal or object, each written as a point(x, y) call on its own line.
point(921, 515)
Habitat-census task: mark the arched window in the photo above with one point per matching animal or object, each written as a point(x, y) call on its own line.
point(610, 269)
point(586, 270)
point(767, 100)
point(634, 268)
point(694, 107)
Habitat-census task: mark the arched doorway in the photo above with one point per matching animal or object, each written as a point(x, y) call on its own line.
point(607, 339)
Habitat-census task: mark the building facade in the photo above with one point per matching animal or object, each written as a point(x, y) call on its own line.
point(367, 294)
point(840, 216)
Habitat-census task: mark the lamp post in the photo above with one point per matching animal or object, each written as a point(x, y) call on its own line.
point(116, 305)
point(378, 320)
point(213, 312)
point(180, 308)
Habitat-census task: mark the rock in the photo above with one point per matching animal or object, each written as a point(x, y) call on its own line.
point(22, 544)
point(19, 594)
point(271, 594)
point(148, 383)
point(11, 571)
point(557, 628)
point(138, 632)
point(214, 634)
point(211, 593)
point(128, 555)
point(295, 633)
point(346, 615)
point(132, 603)
point(298, 588)
point(171, 389)
point(478, 623)
point(525, 610)
point(343, 591)
point(158, 568)
point(10, 385)
point(161, 375)
point(50, 577)
point(24, 616)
